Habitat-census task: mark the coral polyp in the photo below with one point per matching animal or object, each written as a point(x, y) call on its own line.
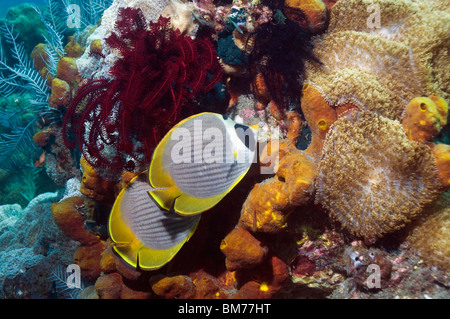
point(118, 122)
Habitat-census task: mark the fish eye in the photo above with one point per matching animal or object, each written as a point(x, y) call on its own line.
point(224, 117)
point(246, 135)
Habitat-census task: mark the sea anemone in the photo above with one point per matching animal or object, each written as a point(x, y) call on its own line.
point(430, 235)
point(372, 178)
point(382, 67)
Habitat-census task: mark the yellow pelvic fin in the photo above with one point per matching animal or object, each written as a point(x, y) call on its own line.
point(165, 197)
point(129, 252)
point(148, 258)
point(187, 205)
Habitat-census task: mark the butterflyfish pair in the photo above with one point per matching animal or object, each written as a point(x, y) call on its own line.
point(197, 163)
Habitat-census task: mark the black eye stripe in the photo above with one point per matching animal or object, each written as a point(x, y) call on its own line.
point(244, 127)
point(247, 137)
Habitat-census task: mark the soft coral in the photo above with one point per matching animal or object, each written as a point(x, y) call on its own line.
point(118, 122)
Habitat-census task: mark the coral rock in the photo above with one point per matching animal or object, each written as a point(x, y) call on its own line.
point(88, 258)
point(61, 94)
point(270, 202)
point(372, 178)
point(67, 70)
point(60, 165)
point(315, 10)
point(109, 286)
point(94, 187)
point(180, 287)
point(423, 119)
point(68, 216)
point(242, 250)
point(441, 154)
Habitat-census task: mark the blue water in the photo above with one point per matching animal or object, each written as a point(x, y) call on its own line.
point(6, 4)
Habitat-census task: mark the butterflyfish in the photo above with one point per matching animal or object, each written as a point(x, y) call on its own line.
point(199, 161)
point(144, 235)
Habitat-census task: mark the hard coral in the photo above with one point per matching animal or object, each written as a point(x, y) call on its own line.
point(372, 178)
point(121, 120)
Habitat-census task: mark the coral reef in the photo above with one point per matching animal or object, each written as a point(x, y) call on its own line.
point(352, 201)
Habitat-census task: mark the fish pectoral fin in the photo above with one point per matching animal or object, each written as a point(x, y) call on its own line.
point(187, 205)
point(164, 197)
